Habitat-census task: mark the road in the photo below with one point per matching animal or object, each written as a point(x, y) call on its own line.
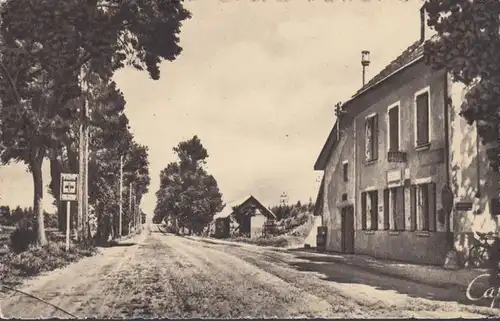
point(157, 275)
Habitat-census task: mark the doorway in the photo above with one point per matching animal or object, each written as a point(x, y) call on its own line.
point(347, 217)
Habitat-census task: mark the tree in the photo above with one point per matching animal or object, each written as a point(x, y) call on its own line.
point(187, 192)
point(47, 45)
point(467, 45)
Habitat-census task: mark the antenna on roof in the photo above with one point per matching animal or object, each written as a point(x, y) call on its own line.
point(365, 62)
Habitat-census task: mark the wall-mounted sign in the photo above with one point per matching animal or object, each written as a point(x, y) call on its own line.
point(463, 206)
point(394, 176)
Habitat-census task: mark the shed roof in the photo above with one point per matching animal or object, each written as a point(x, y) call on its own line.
point(228, 209)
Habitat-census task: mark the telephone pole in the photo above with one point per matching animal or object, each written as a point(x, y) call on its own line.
point(121, 198)
point(83, 164)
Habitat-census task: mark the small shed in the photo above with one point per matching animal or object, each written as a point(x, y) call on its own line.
point(246, 216)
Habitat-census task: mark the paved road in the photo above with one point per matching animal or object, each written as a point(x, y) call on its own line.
point(157, 275)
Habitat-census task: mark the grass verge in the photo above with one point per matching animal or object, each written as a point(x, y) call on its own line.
point(14, 267)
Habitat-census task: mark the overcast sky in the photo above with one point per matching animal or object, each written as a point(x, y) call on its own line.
point(257, 82)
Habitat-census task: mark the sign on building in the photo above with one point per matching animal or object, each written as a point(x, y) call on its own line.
point(69, 187)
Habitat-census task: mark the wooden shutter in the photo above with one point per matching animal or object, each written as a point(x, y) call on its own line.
point(374, 217)
point(386, 209)
point(432, 206)
point(422, 110)
point(413, 208)
point(375, 137)
point(363, 211)
point(400, 201)
point(394, 129)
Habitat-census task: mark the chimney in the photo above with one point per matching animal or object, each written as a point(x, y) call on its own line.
point(365, 61)
point(425, 31)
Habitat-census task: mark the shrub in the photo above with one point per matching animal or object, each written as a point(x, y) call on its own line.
point(24, 235)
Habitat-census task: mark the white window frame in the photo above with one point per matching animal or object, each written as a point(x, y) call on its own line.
point(396, 104)
point(418, 183)
point(418, 93)
point(369, 116)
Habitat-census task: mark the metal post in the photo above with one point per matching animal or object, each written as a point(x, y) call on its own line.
point(68, 210)
point(121, 197)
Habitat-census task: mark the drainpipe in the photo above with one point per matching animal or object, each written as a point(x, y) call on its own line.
point(355, 167)
point(447, 101)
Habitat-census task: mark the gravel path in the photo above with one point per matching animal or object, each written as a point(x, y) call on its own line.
point(156, 275)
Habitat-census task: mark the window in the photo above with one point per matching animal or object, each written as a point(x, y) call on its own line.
point(394, 209)
point(344, 197)
point(393, 128)
point(423, 207)
point(369, 210)
point(371, 137)
point(345, 170)
point(422, 118)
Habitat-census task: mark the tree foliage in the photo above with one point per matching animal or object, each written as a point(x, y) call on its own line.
point(48, 47)
point(467, 45)
point(187, 192)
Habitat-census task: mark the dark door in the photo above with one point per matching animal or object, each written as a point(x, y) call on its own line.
point(347, 229)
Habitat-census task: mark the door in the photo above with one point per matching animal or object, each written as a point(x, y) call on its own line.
point(347, 229)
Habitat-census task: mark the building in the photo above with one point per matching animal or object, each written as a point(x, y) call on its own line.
point(405, 176)
point(252, 215)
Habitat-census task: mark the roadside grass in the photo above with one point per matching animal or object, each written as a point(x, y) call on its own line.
point(292, 232)
point(15, 267)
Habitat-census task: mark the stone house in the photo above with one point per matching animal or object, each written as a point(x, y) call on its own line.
point(405, 177)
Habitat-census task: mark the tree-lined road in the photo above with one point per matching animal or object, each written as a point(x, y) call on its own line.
point(157, 275)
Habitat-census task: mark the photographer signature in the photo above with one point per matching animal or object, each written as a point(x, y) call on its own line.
point(491, 293)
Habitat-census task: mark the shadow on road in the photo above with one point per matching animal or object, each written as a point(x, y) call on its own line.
point(116, 244)
point(343, 272)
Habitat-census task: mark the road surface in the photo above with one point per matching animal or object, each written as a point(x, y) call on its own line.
point(157, 275)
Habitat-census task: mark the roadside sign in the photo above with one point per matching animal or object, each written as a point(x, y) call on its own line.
point(69, 187)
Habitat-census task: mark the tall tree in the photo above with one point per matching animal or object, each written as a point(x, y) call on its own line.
point(46, 45)
point(467, 45)
point(187, 192)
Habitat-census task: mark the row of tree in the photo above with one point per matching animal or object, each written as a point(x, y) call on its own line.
point(56, 56)
point(285, 211)
point(188, 196)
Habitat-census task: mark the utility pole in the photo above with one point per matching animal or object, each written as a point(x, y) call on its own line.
point(121, 197)
point(83, 165)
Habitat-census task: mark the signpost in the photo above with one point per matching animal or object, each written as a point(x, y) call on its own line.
point(68, 194)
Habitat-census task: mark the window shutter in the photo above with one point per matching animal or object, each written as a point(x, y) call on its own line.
point(422, 119)
point(363, 211)
point(394, 129)
point(386, 209)
point(375, 137)
point(400, 201)
point(432, 207)
point(413, 208)
point(374, 217)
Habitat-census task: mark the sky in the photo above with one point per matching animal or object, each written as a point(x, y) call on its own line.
point(257, 82)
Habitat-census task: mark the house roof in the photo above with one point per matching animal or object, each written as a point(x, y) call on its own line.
point(228, 209)
point(411, 55)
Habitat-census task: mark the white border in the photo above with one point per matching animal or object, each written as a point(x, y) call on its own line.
point(421, 91)
point(396, 104)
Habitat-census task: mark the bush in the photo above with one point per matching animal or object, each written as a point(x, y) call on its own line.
point(23, 236)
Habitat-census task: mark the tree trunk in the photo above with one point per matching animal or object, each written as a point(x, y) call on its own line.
point(36, 171)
